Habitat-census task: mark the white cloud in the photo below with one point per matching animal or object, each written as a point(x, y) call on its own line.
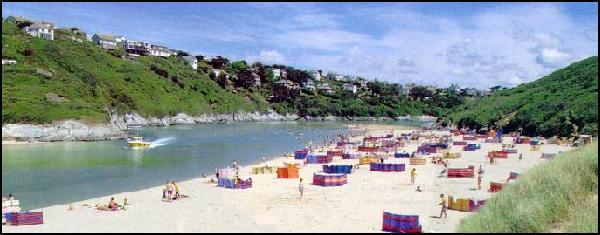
point(321, 39)
point(267, 57)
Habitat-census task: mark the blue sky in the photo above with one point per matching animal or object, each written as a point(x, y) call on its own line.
point(470, 44)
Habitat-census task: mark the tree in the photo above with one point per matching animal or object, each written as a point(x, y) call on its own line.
point(420, 92)
point(218, 62)
point(239, 66)
point(495, 88)
point(297, 76)
point(244, 79)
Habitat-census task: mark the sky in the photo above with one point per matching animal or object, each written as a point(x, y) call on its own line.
point(470, 44)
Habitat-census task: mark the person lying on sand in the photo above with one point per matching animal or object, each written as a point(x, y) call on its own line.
point(112, 206)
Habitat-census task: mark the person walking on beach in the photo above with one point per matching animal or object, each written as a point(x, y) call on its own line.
point(520, 156)
point(444, 205)
point(413, 176)
point(479, 176)
point(301, 188)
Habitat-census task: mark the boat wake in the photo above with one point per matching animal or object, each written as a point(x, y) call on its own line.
point(161, 142)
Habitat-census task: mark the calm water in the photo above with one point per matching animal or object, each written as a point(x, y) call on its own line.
point(57, 173)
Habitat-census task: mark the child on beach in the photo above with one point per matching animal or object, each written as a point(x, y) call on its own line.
point(413, 176)
point(301, 188)
point(176, 189)
point(444, 205)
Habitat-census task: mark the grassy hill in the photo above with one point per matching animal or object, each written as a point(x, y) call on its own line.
point(563, 192)
point(558, 104)
point(63, 79)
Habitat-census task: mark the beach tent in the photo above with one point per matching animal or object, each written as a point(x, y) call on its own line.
point(263, 170)
point(459, 143)
point(334, 153)
point(468, 172)
point(24, 218)
point(496, 187)
point(397, 223)
point(402, 154)
point(318, 159)
point(498, 154)
point(386, 167)
point(326, 179)
point(418, 161)
point(290, 171)
point(300, 154)
point(331, 169)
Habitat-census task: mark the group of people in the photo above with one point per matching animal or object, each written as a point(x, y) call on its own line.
point(112, 205)
point(171, 191)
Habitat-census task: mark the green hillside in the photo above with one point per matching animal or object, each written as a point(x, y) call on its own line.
point(562, 193)
point(562, 103)
point(62, 79)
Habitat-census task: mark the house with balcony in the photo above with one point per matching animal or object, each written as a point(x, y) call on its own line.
point(156, 50)
point(41, 29)
point(105, 41)
point(136, 47)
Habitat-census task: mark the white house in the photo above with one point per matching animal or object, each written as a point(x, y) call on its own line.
point(309, 85)
point(317, 75)
point(325, 88)
point(120, 39)
point(156, 50)
point(41, 29)
point(136, 47)
point(193, 60)
point(350, 87)
point(106, 41)
point(9, 61)
point(288, 84)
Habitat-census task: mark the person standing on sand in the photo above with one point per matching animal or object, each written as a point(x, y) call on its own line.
point(520, 156)
point(301, 188)
point(479, 176)
point(444, 205)
point(413, 176)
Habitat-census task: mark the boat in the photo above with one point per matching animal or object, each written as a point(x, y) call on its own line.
point(137, 142)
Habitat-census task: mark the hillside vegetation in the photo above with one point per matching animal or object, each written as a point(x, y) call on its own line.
point(563, 191)
point(562, 103)
point(64, 79)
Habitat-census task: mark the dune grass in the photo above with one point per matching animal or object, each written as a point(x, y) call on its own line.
point(556, 192)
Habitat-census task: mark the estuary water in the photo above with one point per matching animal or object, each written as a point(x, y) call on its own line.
point(46, 174)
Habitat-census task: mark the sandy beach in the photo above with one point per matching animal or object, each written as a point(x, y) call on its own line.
point(273, 205)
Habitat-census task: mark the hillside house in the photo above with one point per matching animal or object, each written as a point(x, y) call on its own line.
point(156, 50)
point(287, 84)
point(136, 47)
point(41, 29)
point(9, 61)
point(309, 85)
point(317, 75)
point(324, 87)
point(105, 41)
point(120, 39)
point(193, 60)
point(350, 87)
